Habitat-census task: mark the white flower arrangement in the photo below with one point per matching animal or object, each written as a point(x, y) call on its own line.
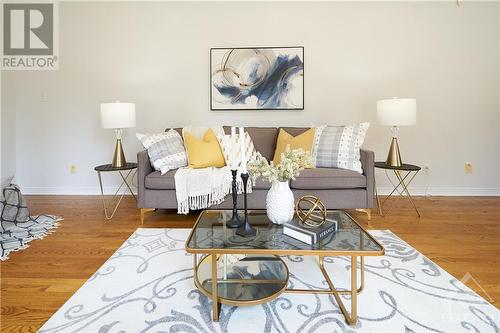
point(291, 164)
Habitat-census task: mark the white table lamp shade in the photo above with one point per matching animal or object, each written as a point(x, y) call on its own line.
point(117, 115)
point(397, 112)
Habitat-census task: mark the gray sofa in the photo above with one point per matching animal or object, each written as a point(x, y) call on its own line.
point(337, 188)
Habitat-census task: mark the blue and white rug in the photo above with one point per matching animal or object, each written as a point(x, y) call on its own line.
point(147, 286)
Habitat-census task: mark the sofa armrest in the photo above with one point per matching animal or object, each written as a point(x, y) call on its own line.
point(144, 168)
point(368, 165)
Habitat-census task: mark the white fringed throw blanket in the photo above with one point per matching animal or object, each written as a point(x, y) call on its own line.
point(201, 188)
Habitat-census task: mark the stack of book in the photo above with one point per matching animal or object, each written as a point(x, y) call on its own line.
point(296, 229)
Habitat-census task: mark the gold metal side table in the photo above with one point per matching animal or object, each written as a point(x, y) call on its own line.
point(130, 169)
point(405, 175)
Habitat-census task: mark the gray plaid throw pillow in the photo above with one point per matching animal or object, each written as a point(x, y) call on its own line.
point(166, 150)
point(338, 146)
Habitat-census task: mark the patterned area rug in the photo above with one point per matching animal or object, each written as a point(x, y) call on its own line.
point(17, 227)
point(147, 286)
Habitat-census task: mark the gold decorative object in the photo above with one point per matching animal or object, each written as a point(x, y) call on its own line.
point(315, 215)
point(119, 156)
point(394, 156)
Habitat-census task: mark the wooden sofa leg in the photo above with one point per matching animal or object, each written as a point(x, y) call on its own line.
point(367, 211)
point(143, 212)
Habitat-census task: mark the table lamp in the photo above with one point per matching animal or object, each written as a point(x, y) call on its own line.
point(118, 116)
point(396, 112)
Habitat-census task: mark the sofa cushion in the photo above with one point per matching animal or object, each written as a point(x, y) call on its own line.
point(205, 152)
point(261, 184)
point(339, 146)
point(165, 150)
point(232, 155)
point(309, 179)
point(294, 131)
point(285, 140)
point(264, 139)
point(177, 129)
point(155, 181)
point(328, 178)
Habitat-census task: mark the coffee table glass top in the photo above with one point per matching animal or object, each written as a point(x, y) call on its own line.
point(210, 235)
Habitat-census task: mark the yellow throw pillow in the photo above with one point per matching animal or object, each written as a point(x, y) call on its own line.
point(203, 153)
point(304, 141)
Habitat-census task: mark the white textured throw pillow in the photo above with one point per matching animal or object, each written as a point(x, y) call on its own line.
point(226, 143)
point(339, 146)
point(166, 150)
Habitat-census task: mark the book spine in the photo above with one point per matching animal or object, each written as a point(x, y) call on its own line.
point(324, 233)
point(303, 237)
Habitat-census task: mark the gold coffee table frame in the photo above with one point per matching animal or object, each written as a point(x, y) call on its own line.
point(350, 317)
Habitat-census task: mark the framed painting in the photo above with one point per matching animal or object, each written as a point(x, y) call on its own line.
point(257, 78)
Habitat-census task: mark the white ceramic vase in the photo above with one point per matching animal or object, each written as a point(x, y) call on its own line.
point(280, 203)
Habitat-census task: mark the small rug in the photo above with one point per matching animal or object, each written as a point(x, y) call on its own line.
point(17, 227)
point(147, 286)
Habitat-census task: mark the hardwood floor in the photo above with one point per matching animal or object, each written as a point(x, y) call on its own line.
point(462, 235)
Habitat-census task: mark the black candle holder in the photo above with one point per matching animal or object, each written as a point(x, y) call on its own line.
point(245, 230)
point(234, 222)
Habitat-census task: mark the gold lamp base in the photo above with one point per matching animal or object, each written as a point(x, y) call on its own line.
point(394, 156)
point(119, 157)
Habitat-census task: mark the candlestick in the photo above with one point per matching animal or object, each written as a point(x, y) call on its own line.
point(243, 152)
point(234, 222)
point(225, 267)
point(246, 230)
point(234, 162)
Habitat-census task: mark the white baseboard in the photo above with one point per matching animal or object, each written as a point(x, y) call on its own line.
point(434, 191)
point(446, 191)
point(90, 190)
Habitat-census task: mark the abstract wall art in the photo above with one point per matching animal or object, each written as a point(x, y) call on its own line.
point(264, 78)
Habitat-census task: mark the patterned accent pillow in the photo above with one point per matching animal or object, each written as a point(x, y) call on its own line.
point(166, 150)
point(13, 206)
point(225, 144)
point(339, 147)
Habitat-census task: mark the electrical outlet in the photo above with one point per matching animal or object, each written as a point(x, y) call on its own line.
point(72, 168)
point(426, 169)
point(468, 168)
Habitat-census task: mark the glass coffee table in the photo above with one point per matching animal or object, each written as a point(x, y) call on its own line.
point(249, 270)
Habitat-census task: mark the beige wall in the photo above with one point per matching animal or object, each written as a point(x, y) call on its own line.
point(157, 55)
point(8, 127)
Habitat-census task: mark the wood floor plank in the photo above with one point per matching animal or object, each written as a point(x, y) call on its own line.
point(462, 235)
